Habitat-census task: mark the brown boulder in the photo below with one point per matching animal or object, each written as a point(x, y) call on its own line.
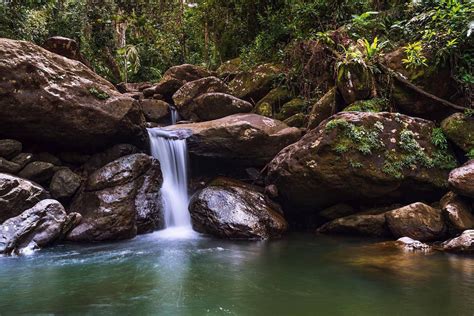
point(457, 211)
point(461, 179)
point(212, 106)
point(418, 221)
point(155, 110)
point(78, 109)
point(322, 109)
point(246, 139)
point(356, 156)
point(231, 209)
point(253, 85)
point(65, 47)
point(360, 225)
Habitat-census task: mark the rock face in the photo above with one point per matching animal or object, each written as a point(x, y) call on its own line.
point(461, 244)
point(358, 156)
point(418, 221)
point(460, 130)
point(255, 84)
point(457, 211)
point(108, 203)
point(17, 195)
point(212, 106)
point(247, 139)
point(231, 209)
point(191, 90)
point(78, 109)
point(461, 179)
point(360, 225)
point(37, 227)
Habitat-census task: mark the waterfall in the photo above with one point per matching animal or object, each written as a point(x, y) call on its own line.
point(169, 147)
point(174, 115)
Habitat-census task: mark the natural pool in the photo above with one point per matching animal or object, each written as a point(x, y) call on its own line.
point(298, 275)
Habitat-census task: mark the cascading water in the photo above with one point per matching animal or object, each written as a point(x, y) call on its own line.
point(169, 147)
point(174, 115)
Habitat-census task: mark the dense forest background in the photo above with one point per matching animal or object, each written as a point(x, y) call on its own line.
point(137, 40)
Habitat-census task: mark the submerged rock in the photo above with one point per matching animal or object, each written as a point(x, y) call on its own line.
point(231, 209)
point(108, 202)
point(461, 244)
point(37, 227)
point(245, 139)
point(356, 156)
point(78, 108)
point(418, 221)
point(17, 195)
point(461, 179)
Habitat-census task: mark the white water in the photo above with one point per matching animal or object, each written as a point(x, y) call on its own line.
point(170, 149)
point(174, 115)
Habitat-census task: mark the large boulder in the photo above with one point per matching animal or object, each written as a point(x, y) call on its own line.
point(459, 128)
point(464, 243)
point(37, 227)
point(38, 171)
point(175, 77)
point(212, 106)
point(247, 139)
point(17, 195)
point(418, 221)
point(50, 99)
point(254, 84)
point(355, 156)
point(191, 90)
point(461, 179)
point(155, 110)
point(231, 209)
point(108, 203)
point(457, 211)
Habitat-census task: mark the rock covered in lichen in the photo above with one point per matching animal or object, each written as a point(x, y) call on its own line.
point(356, 156)
point(459, 128)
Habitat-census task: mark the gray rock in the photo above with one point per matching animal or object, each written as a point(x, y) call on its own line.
point(38, 171)
point(37, 227)
point(22, 159)
point(17, 195)
point(7, 166)
point(64, 184)
point(464, 243)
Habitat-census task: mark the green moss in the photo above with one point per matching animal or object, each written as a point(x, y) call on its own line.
point(355, 164)
point(459, 128)
point(372, 105)
point(470, 154)
point(98, 93)
point(273, 101)
point(291, 108)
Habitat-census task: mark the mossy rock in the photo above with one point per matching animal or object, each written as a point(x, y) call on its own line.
point(459, 128)
point(297, 120)
point(322, 109)
point(254, 84)
point(373, 105)
point(291, 108)
point(230, 66)
point(354, 82)
point(273, 101)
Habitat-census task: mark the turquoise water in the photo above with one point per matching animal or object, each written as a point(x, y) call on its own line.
point(298, 275)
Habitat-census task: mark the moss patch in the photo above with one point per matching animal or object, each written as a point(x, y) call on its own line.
point(459, 128)
point(99, 93)
point(291, 108)
point(372, 105)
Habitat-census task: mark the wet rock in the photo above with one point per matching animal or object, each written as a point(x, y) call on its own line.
point(409, 244)
point(9, 166)
point(78, 108)
point(322, 109)
point(17, 195)
point(360, 225)
point(457, 211)
point(155, 110)
point(35, 228)
point(355, 157)
point(22, 159)
point(38, 171)
point(64, 184)
point(253, 85)
point(9, 148)
point(246, 139)
point(191, 90)
point(461, 180)
point(418, 221)
point(461, 244)
point(211, 106)
point(231, 209)
point(459, 129)
point(109, 202)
